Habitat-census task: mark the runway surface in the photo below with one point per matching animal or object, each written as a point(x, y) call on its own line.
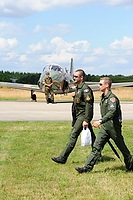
point(40, 111)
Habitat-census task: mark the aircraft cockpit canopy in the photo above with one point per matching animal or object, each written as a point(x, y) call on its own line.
point(54, 67)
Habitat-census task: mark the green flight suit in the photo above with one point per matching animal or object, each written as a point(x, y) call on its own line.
point(83, 103)
point(48, 90)
point(111, 123)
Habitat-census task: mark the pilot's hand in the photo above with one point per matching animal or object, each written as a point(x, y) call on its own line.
point(96, 124)
point(85, 124)
point(73, 94)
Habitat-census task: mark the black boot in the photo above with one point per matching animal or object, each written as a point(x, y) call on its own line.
point(59, 160)
point(82, 169)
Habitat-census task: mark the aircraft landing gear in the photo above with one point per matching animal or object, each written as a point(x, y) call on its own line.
point(33, 96)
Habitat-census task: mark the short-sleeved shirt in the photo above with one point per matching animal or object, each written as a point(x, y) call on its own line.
point(48, 80)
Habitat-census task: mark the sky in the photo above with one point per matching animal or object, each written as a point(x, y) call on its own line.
point(97, 34)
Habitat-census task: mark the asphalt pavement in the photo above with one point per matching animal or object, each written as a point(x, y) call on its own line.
point(40, 111)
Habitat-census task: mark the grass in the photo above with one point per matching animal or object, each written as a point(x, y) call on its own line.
point(27, 172)
point(17, 94)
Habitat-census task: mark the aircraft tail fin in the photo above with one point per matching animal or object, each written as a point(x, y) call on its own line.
point(71, 67)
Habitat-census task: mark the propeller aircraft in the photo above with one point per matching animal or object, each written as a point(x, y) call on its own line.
point(59, 76)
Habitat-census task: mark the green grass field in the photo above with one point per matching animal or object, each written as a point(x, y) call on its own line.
point(28, 173)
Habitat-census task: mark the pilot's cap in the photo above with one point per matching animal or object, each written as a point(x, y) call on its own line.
point(47, 73)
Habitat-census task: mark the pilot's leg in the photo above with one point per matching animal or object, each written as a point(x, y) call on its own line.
point(52, 96)
point(75, 132)
point(46, 94)
point(93, 140)
point(73, 114)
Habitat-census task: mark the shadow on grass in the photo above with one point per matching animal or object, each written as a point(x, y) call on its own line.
point(103, 159)
point(107, 158)
point(116, 169)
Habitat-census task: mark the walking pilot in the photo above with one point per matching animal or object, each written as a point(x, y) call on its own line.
point(110, 127)
point(83, 101)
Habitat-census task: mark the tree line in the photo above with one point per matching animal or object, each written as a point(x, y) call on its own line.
point(19, 77)
point(32, 78)
point(115, 78)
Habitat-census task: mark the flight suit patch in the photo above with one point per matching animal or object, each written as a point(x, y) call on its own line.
point(112, 106)
point(86, 90)
point(112, 99)
point(87, 98)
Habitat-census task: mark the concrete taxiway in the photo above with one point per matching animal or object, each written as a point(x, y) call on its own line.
point(40, 111)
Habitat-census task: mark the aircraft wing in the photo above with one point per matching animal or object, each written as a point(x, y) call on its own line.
point(21, 86)
point(93, 85)
point(124, 84)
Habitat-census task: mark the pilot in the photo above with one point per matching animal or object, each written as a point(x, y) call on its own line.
point(110, 126)
point(83, 101)
point(48, 82)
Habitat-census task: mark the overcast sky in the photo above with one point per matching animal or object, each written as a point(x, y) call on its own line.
point(97, 34)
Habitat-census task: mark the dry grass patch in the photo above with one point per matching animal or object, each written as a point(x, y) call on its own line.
point(14, 94)
point(123, 93)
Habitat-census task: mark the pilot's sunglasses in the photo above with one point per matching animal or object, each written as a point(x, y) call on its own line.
point(100, 84)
